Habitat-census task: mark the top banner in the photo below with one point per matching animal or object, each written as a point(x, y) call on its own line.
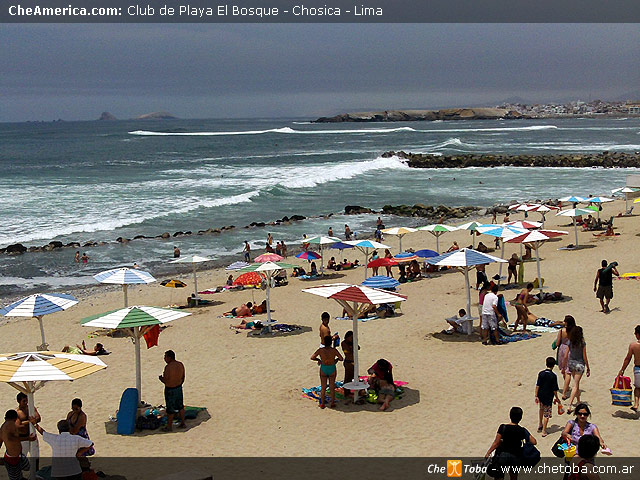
point(323, 11)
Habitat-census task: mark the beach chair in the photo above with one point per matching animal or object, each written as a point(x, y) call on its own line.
point(397, 307)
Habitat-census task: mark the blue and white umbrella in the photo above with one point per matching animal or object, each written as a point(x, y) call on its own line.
point(465, 259)
point(124, 276)
point(501, 231)
point(236, 266)
point(599, 201)
point(364, 246)
point(381, 281)
point(573, 199)
point(37, 306)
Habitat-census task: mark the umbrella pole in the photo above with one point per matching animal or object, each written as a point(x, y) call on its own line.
point(32, 430)
point(466, 281)
point(500, 267)
point(473, 239)
point(366, 261)
point(195, 283)
point(268, 304)
point(542, 219)
point(321, 261)
point(44, 343)
point(438, 244)
point(575, 229)
point(124, 290)
point(400, 241)
point(136, 340)
point(356, 363)
point(538, 265)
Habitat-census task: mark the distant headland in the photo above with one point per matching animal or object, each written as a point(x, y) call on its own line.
point(106, 116)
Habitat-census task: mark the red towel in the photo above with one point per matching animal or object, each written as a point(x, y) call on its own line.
point(151, 336)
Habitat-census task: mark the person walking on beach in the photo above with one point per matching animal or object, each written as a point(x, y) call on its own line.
point(577, 363)
point(15, 460)
point(494, 217)
point(490, 316)
point(176, 252)
point(327, 357)
point(546, 390)
point(23, 428)
point(173, 378)
point(604, 276)
point(522, 308)
point(247, 252)
point(347, 232)
point(634, 352)
point(283, 247)
point(562, 344)
point(76, 258)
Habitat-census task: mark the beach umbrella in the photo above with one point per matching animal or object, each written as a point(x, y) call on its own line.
point(124, 276)
point(382, 262)
point(321, 241)
point(341, 246)
point(364, 246)
point(573, 213)
point(236, 266)
point(464, 259)
point(599, 201)
point(573, 199)
point(405, 257)
point(436, 230)
point(269, 270)
point(249, 279)
point(193, 259)
point(309, 255)
point(37, 306)
point(626, 191)
point(500, 231)
point(537, 238)
point(542, 210)
point(268, 257)
point(426, 253)
point(173, 283)
point(355, 299)
point(381, 281)
point(28, 372)
point(399, 232)
point(525, 224)
point(136, 321)
point(471, 227)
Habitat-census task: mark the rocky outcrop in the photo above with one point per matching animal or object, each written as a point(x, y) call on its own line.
point(439, 213)
point(15, 249)
point(603, 159)
point(107, 116)
point(355, 209)
point(424, 115)
point(156, 116)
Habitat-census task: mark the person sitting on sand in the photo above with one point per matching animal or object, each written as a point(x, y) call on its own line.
point(457, 322)
point(247, 325)
point(332, 263)
point(482, 248)
point(257, 309)
point(453, 247)
point(481, 275)
point(314, 270)
point(382, 377)
point(414, 270)
point(98, 349)
point(230, 281)
point(298, 271)
point(243, 310)
point(385, 310)
point(327, 357)
point(607, 233)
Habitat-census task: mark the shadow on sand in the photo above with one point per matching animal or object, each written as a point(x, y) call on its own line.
point(203, 416)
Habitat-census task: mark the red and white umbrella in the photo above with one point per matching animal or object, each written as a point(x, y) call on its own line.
point(525, 224)
point(536, 238)
point(355, 299)
point(268, 257)
point(522, 207)
point(542, 210)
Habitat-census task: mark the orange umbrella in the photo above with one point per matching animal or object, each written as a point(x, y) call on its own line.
point(249, 279)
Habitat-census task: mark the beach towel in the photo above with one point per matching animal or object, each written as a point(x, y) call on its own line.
point(515, 337)
point(151, 336)
point(365, 319)
point(313, 393)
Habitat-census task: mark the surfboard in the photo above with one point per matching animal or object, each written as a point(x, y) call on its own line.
point(502, 308)
point(127, 412)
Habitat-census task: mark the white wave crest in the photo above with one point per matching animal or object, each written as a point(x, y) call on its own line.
point(285, 130)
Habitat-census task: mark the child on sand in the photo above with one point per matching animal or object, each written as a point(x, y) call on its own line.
point(546, 390)
point(327, 358)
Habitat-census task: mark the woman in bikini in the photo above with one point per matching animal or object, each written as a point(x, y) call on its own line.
point(78, 426)
point(327, 358)
point(522, 308)
point(562, 342)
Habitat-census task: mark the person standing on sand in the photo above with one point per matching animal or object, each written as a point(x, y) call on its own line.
point(494, 217)
point(325, 329)
point(562, 344)
point(577, 363)
point(173, 378)
point(347, 232)
point(330, 232)
point(490, 316)
point(634, 352)
point(327, 357)
point(546, 390)
point(269, 240)
point(176, 252)
point(604, 276)
point(23, 428)
point(15, 461)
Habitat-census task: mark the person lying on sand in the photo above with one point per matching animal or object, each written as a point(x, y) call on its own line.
point(257, 309)
point(243, 310)
point(98, 349)
point(245, 325)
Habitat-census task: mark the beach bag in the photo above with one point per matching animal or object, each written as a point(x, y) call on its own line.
point(556, 450)
point(530, 455)
point(621, 392)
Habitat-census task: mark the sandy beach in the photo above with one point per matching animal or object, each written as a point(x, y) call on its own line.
point(458, 390)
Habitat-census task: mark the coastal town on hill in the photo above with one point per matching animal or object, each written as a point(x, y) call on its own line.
point(577, 107)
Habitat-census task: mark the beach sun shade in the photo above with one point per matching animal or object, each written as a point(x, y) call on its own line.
point(426, 253)
point(537, 238)
point(193, 259)
point(124, 276)
point(500, 231)
point(365, 246)
point(321, 241)
point(249, 279)
point(382, 262)
point(268, 257)
point(542, 210)
point(626, 191)
point(381, 281)
point(405, 257)
point(465, 259)
point(573, 199)
point(269, 270)
point(355, 299)
point(436, 230)
point(236, 266)
point(399, 232)
point(471, 227)
point(309, 255)
point(173, 283)
point(341, 246)
point(573, 213)
point(524, 224)
point(37, 306)
point(521, 207)
point(136, 320)
point(599, 201)
point(28, 372)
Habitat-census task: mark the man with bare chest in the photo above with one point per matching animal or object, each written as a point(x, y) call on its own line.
point(15, 461)
point(173, 378)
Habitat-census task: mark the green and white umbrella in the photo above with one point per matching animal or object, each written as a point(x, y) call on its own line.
point(364, 246)
point(436, 230)
point(321, 241)
point(471, 227)
point(269, 270)
point(136, 320)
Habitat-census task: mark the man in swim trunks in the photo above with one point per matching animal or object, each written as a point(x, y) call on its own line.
point(604, 290)
point(23, 428)
point(247, 251)
point(634, 352)
point(324, 328)
point(173, 378)
point(327, 357)
point(14, 460)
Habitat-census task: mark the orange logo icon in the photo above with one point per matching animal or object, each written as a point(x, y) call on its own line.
point(454, 468)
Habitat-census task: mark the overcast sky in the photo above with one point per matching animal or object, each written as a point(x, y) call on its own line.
point(72, 72)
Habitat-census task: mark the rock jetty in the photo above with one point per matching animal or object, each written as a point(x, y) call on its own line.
point(440, 212)
point(603, 159)
point(425, 115)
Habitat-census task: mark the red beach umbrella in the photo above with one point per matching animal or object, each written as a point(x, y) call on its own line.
point(249, 279)
point(382, 262)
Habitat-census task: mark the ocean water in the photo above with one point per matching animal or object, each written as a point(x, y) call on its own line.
point(96, 181)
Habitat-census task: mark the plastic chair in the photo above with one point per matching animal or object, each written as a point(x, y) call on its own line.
point(397, 306)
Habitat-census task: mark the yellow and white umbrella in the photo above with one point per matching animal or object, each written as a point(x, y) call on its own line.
point(29, 371)
point(399, 232)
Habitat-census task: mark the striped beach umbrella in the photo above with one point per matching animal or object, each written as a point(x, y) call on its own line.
point(136, 321)
point(405, 257)
point(365, 246)
point(268, 257)
point(399, 232)
point(28, 372)
point(599, 201)
point(124, 276)
point(524, 224)
point(236, 266)
point(436, 230)
point(573, 213)
point(465, 259)
point(321, 241)
point(573, 199)
point(37, 306)
point(542, 210)
point(309, 255)
point(500, 231)
point(355, 299)
point(626, 191)
point(536, 238)
point(471, 227)
point(381, 281)
point(193, 260)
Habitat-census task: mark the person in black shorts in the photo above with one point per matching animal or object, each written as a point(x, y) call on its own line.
point(546, 390)
point(603, 284)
